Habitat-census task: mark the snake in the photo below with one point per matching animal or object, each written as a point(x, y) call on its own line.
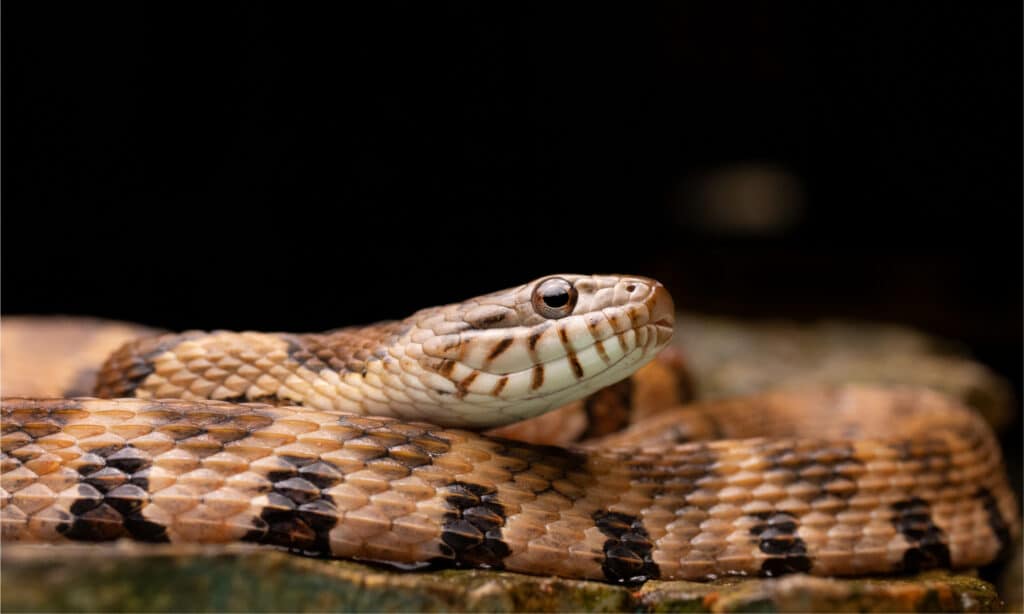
point(367, 443)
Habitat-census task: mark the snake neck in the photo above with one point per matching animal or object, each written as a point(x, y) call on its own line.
point(394, 369)
point(481, 363)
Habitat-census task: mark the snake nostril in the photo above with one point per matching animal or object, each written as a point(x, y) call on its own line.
point(630, 288)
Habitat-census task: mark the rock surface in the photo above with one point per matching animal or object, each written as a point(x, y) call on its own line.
point(123, 577)
point(735, 357)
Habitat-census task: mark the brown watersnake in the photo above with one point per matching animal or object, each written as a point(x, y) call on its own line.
point(838, 481)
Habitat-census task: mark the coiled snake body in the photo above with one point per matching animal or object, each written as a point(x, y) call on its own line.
point(349, 451)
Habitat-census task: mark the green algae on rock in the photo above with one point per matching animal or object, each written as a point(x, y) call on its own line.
point(130, 577)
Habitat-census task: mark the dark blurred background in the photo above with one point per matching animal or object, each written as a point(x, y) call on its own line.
point(298, 167)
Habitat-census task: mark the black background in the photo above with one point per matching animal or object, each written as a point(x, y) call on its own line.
point(301, 167)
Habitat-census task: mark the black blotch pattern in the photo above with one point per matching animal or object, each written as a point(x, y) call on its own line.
point(472, 529)
point(88, 498)
point(819, 467)
point(129, 460)
point(996, 522)
point(312, 354)
point(679, 476)
point(912, 518)
point(113, 491)
point(267, 399)
point(299, 515)
point(333, 351)
point(106, 451)
point(627, 551)
point(471, 533)
point(140, 369)
point(90, 463)
point(776, 535)
point(141, 366)
point(556, 464)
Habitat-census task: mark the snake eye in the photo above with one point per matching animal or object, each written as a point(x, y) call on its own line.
point(554, 298)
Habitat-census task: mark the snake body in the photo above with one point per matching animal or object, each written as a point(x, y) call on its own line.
point(342, 444)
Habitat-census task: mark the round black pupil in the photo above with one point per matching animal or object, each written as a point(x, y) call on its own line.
point(555, 297)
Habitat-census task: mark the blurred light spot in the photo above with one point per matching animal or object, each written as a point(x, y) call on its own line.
point(749, 199)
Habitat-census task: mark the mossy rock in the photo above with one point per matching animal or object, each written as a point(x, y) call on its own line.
point(137, 578)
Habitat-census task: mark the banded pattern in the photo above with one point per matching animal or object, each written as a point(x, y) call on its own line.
point(482, 363)
point(376, 488)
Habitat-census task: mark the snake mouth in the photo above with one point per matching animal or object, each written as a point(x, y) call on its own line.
point(662, 312)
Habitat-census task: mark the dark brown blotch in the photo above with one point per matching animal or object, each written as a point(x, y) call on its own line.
point(563, 335)
point(106, 451)
point(446, 367)
point(628, 549)
point(125, 370)
point(322, 473)
point(88, 498)
point(471, 531)
point(144, 530)
point(298, 515)
point(266, 399)
point(432, 444)
point(1000, 528)
point(499, 348)
point(129, 459)
point(538, 377)
point(298, 461)
point(927, 548)
point(574, 362)
point(131, 501)
point(298, 490)
point(489, 320)
point(776, 535)
point(534, 338)
point(127, 499)
point(463, 386)
point(101, 523)
point(410, 455)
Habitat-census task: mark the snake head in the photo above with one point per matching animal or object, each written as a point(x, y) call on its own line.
point(516, 353)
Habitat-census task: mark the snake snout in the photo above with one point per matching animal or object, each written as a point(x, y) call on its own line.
point(662, 312)
point(660, 306)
